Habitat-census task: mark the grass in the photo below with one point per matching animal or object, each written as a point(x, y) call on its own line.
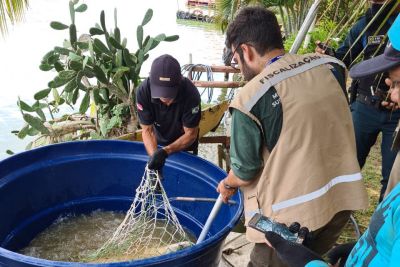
point(372, 176)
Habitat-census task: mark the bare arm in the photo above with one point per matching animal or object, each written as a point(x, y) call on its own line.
point(184, 141)
point(228, 187)
point(234, 181)
point(149, 138)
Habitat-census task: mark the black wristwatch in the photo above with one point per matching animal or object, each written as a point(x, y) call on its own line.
point(228, 186)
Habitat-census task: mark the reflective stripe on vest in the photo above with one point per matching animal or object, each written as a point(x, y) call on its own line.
point(318, 193)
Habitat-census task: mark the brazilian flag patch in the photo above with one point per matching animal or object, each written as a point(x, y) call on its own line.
point(195, 110)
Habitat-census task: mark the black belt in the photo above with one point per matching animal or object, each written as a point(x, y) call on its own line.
point(368, 100)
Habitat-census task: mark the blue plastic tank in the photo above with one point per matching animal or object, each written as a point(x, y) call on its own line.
point(38, 186)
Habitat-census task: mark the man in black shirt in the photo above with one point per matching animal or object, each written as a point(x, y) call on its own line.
point(169, 111)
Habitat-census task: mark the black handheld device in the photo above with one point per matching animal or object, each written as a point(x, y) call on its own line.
point(265, 224)
point(328, 50)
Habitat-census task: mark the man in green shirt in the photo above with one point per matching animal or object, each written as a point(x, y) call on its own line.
point(292, 140)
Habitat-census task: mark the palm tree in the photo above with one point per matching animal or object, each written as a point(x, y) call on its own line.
point(226, 10)
point(11, 11)
point(292, 12)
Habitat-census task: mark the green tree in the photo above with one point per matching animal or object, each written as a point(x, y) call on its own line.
point(11, 11)
point(292, 12)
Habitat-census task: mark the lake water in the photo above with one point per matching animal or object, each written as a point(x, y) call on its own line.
point(22, 49)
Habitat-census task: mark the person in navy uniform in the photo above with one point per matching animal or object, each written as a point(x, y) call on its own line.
point(169, 111)
point(370, 118)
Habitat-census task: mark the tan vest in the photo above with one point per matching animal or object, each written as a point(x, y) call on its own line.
point(312, 173)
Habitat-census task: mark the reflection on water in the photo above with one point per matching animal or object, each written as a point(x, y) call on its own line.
point(27, 42)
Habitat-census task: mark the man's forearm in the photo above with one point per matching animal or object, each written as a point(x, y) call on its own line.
point(182, 142)
point(149, 139)
point(234, 181)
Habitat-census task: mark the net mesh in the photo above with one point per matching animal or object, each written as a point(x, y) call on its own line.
point(150, 227)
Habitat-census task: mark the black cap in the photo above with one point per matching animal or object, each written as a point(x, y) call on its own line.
point(165, 77)
point(389, 59)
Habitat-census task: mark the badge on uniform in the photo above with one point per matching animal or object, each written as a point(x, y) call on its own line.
point(195, 110)
point(376, 39)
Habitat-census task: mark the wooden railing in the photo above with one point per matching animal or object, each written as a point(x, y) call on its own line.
point(222, 140)
point(215, 84)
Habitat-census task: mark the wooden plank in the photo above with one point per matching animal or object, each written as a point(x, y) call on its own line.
point(218, 84)
point(214, 68)
point(216, 140)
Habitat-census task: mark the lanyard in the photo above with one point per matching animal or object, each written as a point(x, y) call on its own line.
point(274, 59)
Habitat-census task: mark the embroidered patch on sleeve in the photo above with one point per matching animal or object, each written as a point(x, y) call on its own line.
point(139, 106)
point(376, 39)
point(195, 110)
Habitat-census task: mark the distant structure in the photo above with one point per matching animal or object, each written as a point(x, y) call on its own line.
point(200, 10)
point(201, 3)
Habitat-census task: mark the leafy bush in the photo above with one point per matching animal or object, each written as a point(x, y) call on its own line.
point(96, 70)
point(324, 31)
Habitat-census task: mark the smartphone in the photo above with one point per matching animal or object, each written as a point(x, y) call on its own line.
point(328, 50)
point(265, 224)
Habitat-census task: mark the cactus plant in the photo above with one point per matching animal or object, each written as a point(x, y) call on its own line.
point(99, 70)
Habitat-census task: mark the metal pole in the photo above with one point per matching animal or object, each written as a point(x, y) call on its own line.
point(199, 199)
point(210, 219)
point(312, 13)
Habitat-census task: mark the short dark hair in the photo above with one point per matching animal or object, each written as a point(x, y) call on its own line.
point(257, 26)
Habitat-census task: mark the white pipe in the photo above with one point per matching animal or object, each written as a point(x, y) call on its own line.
point(312, 13)
point(308, 36)
point(199, 199)
point(210, 219)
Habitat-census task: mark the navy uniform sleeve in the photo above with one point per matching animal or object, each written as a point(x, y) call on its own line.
point(143, 104)
point(192, 109)
point(351, 37)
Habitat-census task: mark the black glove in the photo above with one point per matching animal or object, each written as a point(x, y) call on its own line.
point(303, 233)
point(157, 160)
point(293, 254)
point(340, 253)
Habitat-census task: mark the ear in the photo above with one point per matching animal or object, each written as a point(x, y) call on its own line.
point(248, 53)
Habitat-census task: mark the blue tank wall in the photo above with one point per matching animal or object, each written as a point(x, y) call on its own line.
point(38, 186)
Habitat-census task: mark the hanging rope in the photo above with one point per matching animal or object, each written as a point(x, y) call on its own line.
point(196, 76)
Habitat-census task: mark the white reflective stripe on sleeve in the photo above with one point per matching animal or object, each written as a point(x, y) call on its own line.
point(285, 75)
point(251, 213)
point(313, 195)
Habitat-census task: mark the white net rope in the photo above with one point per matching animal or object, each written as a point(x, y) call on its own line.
point(150, 227)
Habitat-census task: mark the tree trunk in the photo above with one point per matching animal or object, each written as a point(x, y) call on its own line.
point(290, 23)
point(285, 26)
point(337, 10)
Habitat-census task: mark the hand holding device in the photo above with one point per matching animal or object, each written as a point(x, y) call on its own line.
point(265, 224)
point(325, 49)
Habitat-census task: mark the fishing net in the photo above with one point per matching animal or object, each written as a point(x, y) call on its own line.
point(150, 227)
